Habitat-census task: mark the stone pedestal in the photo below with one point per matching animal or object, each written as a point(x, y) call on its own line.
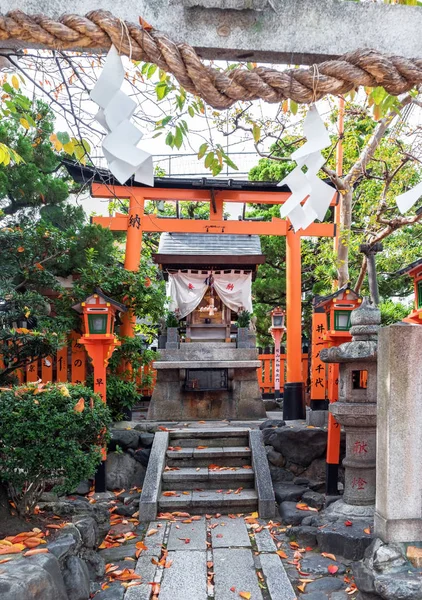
point(398, 513)
point(173, 338)
point(356, 410)
point(240, 397)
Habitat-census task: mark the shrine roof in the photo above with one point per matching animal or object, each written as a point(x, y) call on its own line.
point(212, 244)
point(87, 174)
point(409, 268)
point(209, 250)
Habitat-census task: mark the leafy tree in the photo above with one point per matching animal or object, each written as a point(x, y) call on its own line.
point(34, 180)
point(390, 172)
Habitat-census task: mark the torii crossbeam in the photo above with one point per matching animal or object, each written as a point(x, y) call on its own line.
point(217, 192)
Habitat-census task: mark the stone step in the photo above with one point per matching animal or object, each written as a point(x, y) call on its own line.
point(201, 477)
point(208, 432)
point(231, 456)
point(208, 452)
point(221, 442)
point(210, 501)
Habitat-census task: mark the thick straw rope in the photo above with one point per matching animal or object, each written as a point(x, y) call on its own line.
point(220, 89)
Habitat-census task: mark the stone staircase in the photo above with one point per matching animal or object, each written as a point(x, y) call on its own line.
point(203, 471)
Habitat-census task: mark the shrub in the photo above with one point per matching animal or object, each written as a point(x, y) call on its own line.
point(243, 318)
point(172, 320)
point(50, 435)
point(122, 395)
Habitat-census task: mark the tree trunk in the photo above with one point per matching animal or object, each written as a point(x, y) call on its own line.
point(344, 238)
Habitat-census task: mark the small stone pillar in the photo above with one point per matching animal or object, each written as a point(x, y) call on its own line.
point(356, 410)
point(398, 512)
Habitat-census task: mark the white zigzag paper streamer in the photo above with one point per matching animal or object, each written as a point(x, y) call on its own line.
point(308, 185)
point(120, 146)
point(408, 199)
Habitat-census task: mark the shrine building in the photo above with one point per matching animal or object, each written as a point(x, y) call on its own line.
point(207, 367)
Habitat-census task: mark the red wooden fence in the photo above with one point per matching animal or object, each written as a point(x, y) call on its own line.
point(266, 372)
point(71, 364)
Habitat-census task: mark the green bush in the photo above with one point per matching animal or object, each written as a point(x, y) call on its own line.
point(243, 318)
point(172, 320)
point(50, 435)
point(121, 394)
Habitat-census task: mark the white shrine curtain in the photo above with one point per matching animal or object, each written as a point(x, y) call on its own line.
point(186, 290)
point(235, 290)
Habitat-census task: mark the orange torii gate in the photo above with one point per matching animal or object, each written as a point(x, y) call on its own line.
point(216, 192)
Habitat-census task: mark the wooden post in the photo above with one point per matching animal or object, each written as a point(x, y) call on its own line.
point(133, 254)
point(293, 405)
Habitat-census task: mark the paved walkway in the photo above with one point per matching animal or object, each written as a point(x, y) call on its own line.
point(199, 558)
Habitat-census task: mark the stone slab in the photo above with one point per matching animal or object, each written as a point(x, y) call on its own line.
point(154, 542)
point(147, 571)
point(187, 576)
point(264, 541)
point(213, 498)
point(208, 364)
point(186, 474)
point(234, 567)
point(195, 532)
point(169, 503)
point(229, 533)
point(278, 583)
point(263, 483)
point(151, 489)
point(212, 431)
point(399, 442)
point(183, 453)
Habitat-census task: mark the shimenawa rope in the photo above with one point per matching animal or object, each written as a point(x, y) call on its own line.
point(220, 89)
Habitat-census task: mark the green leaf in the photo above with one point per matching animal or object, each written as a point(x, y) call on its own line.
point(256, 132)
point(209, 159)
point(63, 137)
point(166, 120)
point(170, 139)
point(151, 70)
point(230, 163)
point(202, 149)
point(178, 138)
point(293, 107)
point(161, 89)
point(191, 111)
point(378, 94)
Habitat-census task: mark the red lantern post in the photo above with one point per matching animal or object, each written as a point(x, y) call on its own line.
point(277, 330)
point(99, 312)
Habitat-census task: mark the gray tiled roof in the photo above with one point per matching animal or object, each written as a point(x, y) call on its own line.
point(209, 244)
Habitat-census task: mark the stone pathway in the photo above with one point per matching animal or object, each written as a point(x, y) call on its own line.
point(204, 557)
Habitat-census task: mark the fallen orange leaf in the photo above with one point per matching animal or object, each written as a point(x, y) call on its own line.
point(36, 551)
point(330, 556)
point(245, 595)
point(332, 569)
point(281, 554)
point(201, 447)
point(301, 587)
point(151, 532)
point(79, 406)
point(367, 530)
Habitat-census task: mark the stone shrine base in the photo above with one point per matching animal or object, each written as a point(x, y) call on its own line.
point(240, 399)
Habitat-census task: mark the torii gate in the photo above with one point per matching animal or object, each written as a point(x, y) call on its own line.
point(136, 222)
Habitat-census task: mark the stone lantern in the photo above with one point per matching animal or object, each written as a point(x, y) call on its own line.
point(356, 410)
